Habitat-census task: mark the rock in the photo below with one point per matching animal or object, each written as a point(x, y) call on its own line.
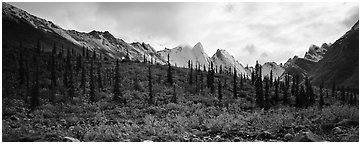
point(288, 136)
point(337, 130)
point(306, 137)
point(14, 118)
point(327, 128)
point(70, 139)
point(265, 135)
point(347, 123)
point(196, 140)
point(148, 141)
point(237, 139)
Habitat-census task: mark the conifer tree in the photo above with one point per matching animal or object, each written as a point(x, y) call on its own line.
point(144, 59)
point(259, 86)
point(321, 102)
point(266, 95)
point(21, 66)
point(285, 90)
point(91, 83)
point(212, 78)
point(87, 54)
point(53, 66)
point(190, 65)
point(38, 47)
point(253, 78)
point(299, 98)
point(71, 89)
point(151, 95)
point(94, 55)
point(78, 63)
point(343, 93)
point(116, 90)
point(100, 82)
point(174, 98)
point(333, 89)
point(276, 83)
point(35, 89)
point(271, 78)
point(235, 83)
point(220, 69)
point(83, 51)
point(83, 79)
point(241, 82)
point(219, 92)
point(169, 75)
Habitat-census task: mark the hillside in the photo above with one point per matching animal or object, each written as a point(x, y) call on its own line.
point(341, 62)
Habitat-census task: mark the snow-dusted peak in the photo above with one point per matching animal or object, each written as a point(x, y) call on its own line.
point(316, 53)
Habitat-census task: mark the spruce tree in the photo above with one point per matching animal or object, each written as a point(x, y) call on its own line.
point(169, 74)
point(94, 55)
point(271, 78)
point(78, 63)
point(190, 73)
point(235, 83)
point(35, 89)
point(266, 95)
point(219, 92)
point(21, 69)
point(276, 83)
point(151, 95)
point(241, 82)
point(83, 79)
point(285, 90)
point(174, 98)
point(300, 97)
point(333, 89)
point(100, 82)
point(212, 78)
point(83, 51)
point(321, 101)
point(91, 83)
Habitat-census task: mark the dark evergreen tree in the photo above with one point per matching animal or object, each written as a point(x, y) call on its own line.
point(35, 89)
point(87, 54)
point(100, 81)
point(151, 95)
point(94, 55)
point(83, 51)
point(53, 67)
point(259, 86)
point(190, 72)
point(253, 78)
point(271, 78)
point(285, 90)
point(333, 89)
point(169, 74)
point(321, 101)
point(266, 95)
point(219, 92)
point(212, 78)
point(78, 63)
point(144, 59)
point(174, 98)
point(118, 96)
point(83, 79)
point(241, 82)
point(234, 83)
point(91, 83)
point(71, 89)
point(220, 69)
point(276, 83)
point(38, 46)
point(300, 97)
point(343, 95)
point(21, 66)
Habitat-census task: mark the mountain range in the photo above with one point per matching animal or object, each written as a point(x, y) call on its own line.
point(337, 62)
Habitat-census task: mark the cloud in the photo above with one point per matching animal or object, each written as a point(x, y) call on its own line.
point(250, 48)
point(354, 17)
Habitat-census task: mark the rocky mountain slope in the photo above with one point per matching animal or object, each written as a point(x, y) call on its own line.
point(340, 63)
point(222, 57)
point(19, 24)
point(180, 55)
point(277, 70)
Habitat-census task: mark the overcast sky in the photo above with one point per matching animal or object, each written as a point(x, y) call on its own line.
point(248, 31)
